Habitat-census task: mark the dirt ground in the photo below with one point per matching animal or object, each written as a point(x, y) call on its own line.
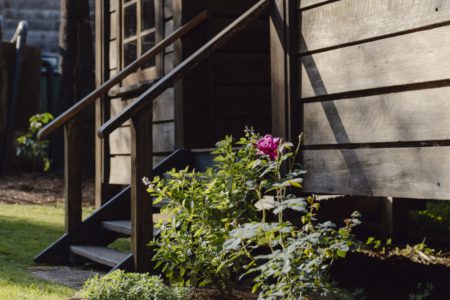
point(39, 188)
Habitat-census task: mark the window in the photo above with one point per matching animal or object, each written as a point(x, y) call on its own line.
point(138, 30)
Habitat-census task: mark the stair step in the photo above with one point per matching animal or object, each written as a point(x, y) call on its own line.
point(124, 226)
point(99, 254)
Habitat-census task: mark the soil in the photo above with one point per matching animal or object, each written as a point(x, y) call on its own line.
point(39, 188)
point(208, 294)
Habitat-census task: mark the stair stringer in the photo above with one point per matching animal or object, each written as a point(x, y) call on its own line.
point(90, 231)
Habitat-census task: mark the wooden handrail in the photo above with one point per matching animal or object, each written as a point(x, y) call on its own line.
point(106, 86)
point(179, 71)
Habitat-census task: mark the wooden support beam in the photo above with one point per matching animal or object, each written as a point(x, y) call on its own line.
point(396, 218)
point(285, 76)
point(72, 174)
point(141, 203)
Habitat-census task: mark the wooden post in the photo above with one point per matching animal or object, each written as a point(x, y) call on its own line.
point(396, 218)
point(72, 174)
point(102, 33)
point(141, 203)
point(285, 75)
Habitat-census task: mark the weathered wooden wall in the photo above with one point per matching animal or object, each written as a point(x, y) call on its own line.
point(163, 107)
point(374, 88)
point(219, 97)
point(240, 74)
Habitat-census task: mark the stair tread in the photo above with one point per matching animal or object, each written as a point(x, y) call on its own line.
point(99, 254)
point(124, 226)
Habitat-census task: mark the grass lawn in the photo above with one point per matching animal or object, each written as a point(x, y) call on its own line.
point(25, 230)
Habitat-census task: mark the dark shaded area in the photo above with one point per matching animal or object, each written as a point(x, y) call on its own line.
point(393, 278)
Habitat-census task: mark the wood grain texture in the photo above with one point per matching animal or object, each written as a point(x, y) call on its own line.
point(409, 116)
point(421, 173)
point(163, 139)
point(411, 58)
point(349, 21)
point(168, 9)
point(120, 168)
point(72, 175)
point(113, 26)
point(308, 3)
point(113, 58)
point(141, 207)
point(163, 109)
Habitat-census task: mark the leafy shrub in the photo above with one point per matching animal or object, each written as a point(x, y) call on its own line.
point(119, 285)
point(205, 206)
point(289, 262)
point(30, 147)
point(216, 234)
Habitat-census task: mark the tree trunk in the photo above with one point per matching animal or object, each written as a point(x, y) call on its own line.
point(77, 69)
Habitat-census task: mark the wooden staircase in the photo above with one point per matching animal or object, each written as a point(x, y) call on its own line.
point(130, 212)
point(89, 243)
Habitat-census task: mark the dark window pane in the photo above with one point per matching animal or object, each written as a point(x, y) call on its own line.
point(130, 52)
point(148, 42)
point(148, 14)
point(130, 21)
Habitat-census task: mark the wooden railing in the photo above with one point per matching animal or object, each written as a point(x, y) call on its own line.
point(140, 113)
point(106, 86)
point(71, 121)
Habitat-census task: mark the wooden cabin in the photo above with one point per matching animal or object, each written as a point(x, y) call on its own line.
point(365, 80)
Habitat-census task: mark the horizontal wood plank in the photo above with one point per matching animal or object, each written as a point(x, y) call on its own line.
point(163, 139)
point(241, 68)
point(163, 108)
point(255, 38)
point(402, 60)
point(242, 101)
point(120, 168)
point(235, 126)
point(308, 3)
point(349, 21)
point(120, 141)
point(421, 173)
point(409, 116)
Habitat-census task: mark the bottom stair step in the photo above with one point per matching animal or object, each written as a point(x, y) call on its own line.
point(99, 254)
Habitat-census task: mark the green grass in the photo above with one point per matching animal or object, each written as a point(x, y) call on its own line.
point(25, 230)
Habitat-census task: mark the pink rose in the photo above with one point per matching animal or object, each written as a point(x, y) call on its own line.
point(268, 145)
